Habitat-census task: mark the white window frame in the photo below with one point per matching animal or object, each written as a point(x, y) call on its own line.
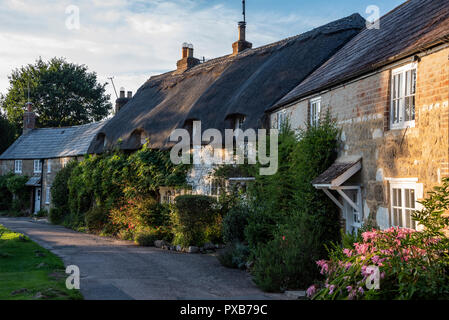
point(402, 187)
point(48, 195)
point(281, 117)
point(65, 161)
point(37, 166)
point(315, 111)
point(18, 166)
point(401, 123)
point(49, 165)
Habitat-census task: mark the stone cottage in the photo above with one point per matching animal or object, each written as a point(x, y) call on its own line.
point(230, 92)
point(41, 153)
point(388, 90)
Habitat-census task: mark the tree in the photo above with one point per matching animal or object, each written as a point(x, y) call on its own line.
point(63, 94)
point(7, 133)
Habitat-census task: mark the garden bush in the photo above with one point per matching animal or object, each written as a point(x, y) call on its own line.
point(291, 222)
point(234, 255)
point(5, 194)
point(56, 215)
point(60, 193)
point(235, 223)
point(96, 218)
point(411, 264)
point(194, 218)
point(16, 185)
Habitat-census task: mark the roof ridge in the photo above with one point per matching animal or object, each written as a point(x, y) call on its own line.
point(229, 57)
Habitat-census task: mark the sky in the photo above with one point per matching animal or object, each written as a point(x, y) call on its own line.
point(133, 40)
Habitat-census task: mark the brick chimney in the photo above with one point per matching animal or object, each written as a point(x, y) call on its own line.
point(29, 118)
point(122, 100)
point(187, 61)
point(241, 44)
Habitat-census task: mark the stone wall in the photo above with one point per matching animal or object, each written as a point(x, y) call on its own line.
point(362, 109)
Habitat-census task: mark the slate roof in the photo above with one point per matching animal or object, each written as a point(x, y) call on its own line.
point(50, 143)
point(405, 31)
point(336, 170)
point(213, 91)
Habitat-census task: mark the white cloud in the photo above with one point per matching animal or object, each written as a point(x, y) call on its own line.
point(130, 40)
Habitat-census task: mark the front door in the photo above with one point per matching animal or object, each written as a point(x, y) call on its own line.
point(37, 200)
point(353, 217)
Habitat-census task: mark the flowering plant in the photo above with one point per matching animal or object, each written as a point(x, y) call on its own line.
point(396, 263)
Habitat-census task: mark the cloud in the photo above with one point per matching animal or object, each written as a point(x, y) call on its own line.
point(130, 40)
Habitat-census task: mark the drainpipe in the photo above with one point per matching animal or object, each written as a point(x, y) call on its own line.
point(42, 181)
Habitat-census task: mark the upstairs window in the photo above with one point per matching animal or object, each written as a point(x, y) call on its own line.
point(18, 166)
point(37, 166)
point(403, 91)
point(281, 119)
point(315, 110)
point(48, 166)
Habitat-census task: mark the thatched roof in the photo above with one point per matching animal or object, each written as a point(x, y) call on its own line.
point(245, 84)
point(410, 28)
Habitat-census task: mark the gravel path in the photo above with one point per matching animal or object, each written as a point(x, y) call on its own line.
point(113, 269)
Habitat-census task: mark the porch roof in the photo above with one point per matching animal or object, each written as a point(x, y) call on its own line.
point(338, 173)
point(34, 182)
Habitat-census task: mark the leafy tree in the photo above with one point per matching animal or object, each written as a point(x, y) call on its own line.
point(63, 94)
point(7, 133)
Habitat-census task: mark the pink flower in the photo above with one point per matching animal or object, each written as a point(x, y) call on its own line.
point(331, 289)
point(311, 291)
point(348, 252)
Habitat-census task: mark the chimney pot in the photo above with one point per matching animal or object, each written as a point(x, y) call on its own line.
point(187, 61)
point(130, 94)
point(122, 92)
point(29, 118)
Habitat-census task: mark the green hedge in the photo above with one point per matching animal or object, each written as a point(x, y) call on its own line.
point(195, 219)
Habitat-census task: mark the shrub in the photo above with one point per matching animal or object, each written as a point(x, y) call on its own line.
point(193, 215)
point(17, 187)
point(140, 214)
point(234, 255)
point(60, 191)
point(234, 224)
point(56, 215)
point(5, 194)
point(96, 218)
point(148, 237)
point(42, 213)
point(412, 264)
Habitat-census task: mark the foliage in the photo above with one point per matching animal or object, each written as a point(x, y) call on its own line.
point(116, 193)
point(16, 185)
point(59, 190)
point(7, 133)
point(63, 93)
point(234, 223)
point(193, 216)
point(138, 214)
point(96, 218)
point(412, 264)
point(42, 213)
point(5, 194)
point(234, 255)
point(147, 238)
point(291, 222)
point(56, 215)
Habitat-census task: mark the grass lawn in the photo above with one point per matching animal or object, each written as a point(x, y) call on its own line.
point(30, 272)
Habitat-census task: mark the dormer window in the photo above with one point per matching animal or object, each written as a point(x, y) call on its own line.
point(238, 122)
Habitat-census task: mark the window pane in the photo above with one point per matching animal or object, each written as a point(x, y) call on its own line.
point(407, 219)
